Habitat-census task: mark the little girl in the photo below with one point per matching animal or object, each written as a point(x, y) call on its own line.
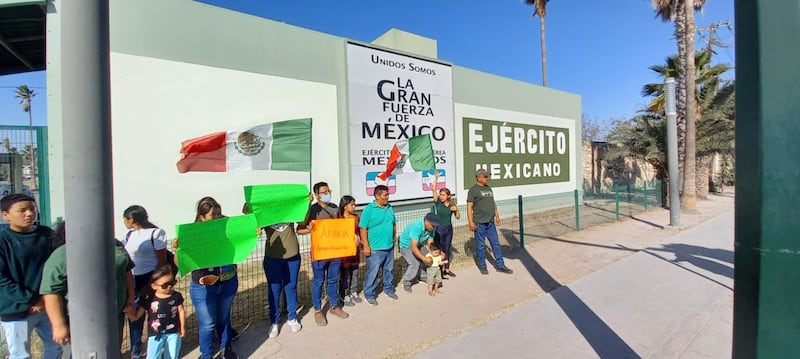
point(165, 315)
point(434, 271)
point(348, 280)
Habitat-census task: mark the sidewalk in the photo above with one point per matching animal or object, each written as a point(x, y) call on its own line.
point(607, 298)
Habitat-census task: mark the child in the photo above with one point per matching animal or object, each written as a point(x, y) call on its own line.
point(434, 271)
point(165, 315)
point(24, 248)
point(348, 283)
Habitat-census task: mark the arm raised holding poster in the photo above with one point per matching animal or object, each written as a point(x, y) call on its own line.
point(277, 203)
point(333, 238)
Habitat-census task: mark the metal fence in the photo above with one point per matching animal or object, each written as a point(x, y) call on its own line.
point(23, 165)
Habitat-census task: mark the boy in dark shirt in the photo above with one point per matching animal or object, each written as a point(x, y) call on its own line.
point(24, 248)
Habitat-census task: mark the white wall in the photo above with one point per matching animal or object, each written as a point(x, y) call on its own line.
point(157, 104)
point(502, 193)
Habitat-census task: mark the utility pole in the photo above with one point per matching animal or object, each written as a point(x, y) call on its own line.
point(712, 33)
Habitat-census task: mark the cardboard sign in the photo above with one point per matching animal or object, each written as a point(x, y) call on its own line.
point(333, 238)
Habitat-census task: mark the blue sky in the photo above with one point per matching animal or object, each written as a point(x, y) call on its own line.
point(599, 50)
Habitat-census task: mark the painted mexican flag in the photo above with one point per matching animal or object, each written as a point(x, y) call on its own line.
point(412, 155)
point(284, 146)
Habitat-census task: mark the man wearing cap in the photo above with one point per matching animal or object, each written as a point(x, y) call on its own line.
point(414, 236)
point(482, 215)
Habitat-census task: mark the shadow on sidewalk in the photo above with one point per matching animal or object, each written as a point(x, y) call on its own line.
point(694, 255)
point(602, 338)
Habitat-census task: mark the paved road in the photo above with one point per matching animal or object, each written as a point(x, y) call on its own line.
point(670, 301)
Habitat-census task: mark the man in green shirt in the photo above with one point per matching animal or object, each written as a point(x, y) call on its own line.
point(414, 237)
point(482, 215)
point(379, 230)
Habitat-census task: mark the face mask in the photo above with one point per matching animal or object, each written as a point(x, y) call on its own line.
point(325, 198)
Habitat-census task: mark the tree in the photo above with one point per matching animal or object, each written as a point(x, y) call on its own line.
point(707, 78)
point(644, 138)
point(7, 146)
point(591, 129)
point(682, 13)
point(540, 10)
point(25, 96)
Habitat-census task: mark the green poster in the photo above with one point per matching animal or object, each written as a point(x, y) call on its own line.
point(277, 203)
point(218, 242)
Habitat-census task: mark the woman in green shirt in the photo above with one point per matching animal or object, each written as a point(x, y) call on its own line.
point(444, 206)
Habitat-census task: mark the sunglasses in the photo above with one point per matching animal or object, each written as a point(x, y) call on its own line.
point(167, 284)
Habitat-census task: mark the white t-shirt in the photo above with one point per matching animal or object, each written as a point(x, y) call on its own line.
point(142, 251)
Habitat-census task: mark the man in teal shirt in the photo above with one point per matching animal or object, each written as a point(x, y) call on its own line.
point(378, 229)
point(415, 236)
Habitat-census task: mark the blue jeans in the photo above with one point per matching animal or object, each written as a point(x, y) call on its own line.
point(18, 334)
point(136, 327)
point(445, 233)
point(332, 267)
point(212, 305)
point(485, 231)
point(169, 343)
point(282, 277)
point(379, 259)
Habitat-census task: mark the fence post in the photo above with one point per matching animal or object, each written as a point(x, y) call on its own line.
point(521, 222)
point(577, 212)
point(645, 195)
point(616, 198)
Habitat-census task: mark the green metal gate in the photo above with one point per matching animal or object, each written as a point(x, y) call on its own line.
point(24, 166)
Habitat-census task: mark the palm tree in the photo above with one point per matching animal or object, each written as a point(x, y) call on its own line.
point(540, 10)
point(644, 138)
point(25, 96)
point(682, 13)
point(707, 77)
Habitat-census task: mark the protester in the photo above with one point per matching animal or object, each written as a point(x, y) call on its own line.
point(212, 291)
point(412, 241)
point(379, 231)
point(24, 249)
point(445, 208)
point(166, 316)
point(325, 270)
point(348, 281)
point(282, 267)
point(438, 258)
point(482, 215)
point(54, 288)
point(147, 245)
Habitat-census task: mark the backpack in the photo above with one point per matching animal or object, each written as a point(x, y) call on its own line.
point(170, 257)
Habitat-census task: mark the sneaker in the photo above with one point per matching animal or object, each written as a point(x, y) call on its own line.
point(234, 335)
point(319, 318)
point(372, 302)
point(273, 331)
point(229, 354)
point(392, 295)
point(407, 289)
point(295, 325)
point(337, 311)
point(348, 301)
point(355, 297)
point(451, 274)
point(484, 271)
point(505, 270)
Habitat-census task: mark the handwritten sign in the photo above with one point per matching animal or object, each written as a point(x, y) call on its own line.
point(333, 238)
point(277, 203)
point(217, 242)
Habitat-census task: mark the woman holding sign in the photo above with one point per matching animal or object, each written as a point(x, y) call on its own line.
point(212, 291)
point(282, 267)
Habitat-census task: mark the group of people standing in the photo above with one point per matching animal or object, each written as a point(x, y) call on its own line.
point(33, 270)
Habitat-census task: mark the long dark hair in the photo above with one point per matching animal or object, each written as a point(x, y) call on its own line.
point(160, 272)
point(343, 202)
point(139, 216)
point(59, 236)
point(208, 204)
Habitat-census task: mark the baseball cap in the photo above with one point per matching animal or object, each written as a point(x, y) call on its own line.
point(481, 172)
point(432, 218)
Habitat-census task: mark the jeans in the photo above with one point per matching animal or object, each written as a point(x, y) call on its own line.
point(169, 343)
point(414, 264)
point(485, 231)
point(18, 334)
point(282, 277)
point(212, 306)
point(348, 281)
point(136, 327)
point(320, 268)
point(379, 259)
point(445, 233)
